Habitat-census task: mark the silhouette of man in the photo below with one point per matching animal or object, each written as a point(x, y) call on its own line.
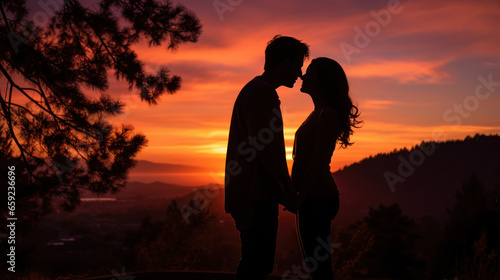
point(257, 178)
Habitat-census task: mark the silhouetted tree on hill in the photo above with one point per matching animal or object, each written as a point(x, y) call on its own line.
point(175, 243)
point(429, 231)
point(471, 233)
point(393, 254)
point(353, 243)
point(54, 105)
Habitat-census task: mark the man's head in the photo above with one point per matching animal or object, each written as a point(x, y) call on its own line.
point(285, 56)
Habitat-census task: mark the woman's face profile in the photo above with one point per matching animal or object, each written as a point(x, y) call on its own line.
point(310, 82)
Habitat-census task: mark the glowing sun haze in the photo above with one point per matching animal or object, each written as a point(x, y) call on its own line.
point(418, 70)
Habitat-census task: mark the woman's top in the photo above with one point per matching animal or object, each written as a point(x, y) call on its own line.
point(312, 152)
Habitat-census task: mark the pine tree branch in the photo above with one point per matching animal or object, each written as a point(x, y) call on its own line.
point(97, 34)
point(49, 111)
point(56, 118)
point(8, 118)
point(5, 18)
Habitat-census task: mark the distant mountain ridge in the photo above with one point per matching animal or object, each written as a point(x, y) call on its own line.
point(144, 166)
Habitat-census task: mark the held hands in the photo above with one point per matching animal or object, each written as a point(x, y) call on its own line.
point(292, 203)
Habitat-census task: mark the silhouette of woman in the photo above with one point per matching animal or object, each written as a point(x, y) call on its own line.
point(332, 120)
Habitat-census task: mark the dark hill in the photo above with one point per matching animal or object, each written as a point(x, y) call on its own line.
point(422, 180)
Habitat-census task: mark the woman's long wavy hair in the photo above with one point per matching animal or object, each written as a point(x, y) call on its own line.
point(333, 82)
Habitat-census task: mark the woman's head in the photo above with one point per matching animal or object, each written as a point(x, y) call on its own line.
point(328, 79)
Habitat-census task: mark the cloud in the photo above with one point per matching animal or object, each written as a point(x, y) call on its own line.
point(377, 104)
point(401, 71)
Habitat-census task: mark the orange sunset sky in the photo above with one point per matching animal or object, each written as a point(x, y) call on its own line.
point(418, 70)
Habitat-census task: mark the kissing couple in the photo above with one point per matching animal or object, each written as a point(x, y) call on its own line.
point(256, 174)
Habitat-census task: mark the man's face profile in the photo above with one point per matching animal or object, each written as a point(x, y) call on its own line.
point(293, 72)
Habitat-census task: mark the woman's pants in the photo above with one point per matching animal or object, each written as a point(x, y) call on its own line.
point(314, 221)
